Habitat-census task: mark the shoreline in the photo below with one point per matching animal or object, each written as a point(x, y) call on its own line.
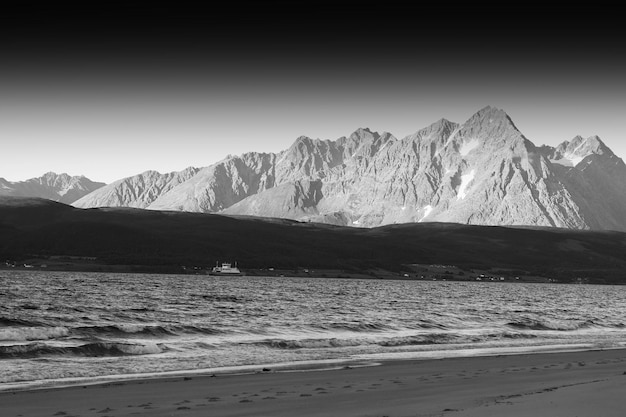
point(566, 383)
point(314, 365)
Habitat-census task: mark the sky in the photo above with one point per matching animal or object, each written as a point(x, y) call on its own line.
point(112, 89)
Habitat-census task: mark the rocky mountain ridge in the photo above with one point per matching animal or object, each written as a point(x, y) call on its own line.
point(138, 191)
point(56, 187)
point(483, 171)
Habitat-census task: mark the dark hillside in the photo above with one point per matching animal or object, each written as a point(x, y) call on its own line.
point(31, 228)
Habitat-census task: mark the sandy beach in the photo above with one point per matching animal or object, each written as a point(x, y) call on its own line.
point(580, 384)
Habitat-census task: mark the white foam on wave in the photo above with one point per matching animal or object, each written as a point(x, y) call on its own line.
point(21, 334)
point(144, 349)
point(473, 352)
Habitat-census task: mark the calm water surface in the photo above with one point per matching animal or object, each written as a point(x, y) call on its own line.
point(58, 328)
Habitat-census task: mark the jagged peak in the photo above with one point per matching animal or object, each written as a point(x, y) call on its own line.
point(50, 175)
point(492, 123)
point(440, 125)
point(572, 152)
point(364, 132)
point(490, 113)
point(146, 174)
point(190, 169)
point(580, 145)
point(306, 141)
point(304, 145)
point(596, 141)
point(442, 129)
point(487, 109)
point(149, 173)
point(444, 122)
point(53, 179)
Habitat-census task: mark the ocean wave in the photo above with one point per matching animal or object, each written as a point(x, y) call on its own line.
point(121, 330)
point(130, 330)
point(509, 335)
point(31, 350)
point(202, 330)
point(545, 325)
point(14, 322)
point(429, 324)
point(367, 327)
point(311, 343)
point(360, 327)
point(141, 309)
point(223, 298)
point(427, 339)
point(32, 333)
point(98, 349)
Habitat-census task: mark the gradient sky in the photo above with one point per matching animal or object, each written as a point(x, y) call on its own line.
point(114, 90)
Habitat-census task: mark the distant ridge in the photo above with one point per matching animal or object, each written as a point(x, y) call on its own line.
point(55, 187)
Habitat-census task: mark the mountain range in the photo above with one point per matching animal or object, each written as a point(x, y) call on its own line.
point(483, 172)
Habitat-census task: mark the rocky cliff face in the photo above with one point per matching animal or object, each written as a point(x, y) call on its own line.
point(139, 191)
point(51, 186)
point(483, 171)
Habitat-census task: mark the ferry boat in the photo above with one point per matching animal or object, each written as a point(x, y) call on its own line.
point(226, 269)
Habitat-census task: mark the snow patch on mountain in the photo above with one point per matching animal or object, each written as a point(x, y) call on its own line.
point(452, 135)
point(465, 182)
point(569, 160)
point(468, 146)
point(427, 210)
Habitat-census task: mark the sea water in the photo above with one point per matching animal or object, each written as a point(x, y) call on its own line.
point(61, 328)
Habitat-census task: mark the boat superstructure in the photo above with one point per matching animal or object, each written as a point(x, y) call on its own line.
point(225, 269)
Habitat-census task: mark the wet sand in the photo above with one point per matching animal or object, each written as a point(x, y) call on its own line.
point(549, 384)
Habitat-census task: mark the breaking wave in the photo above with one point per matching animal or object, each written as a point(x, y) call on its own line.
point(355, 327)
point(530, 324)
point(129, 330)
point(11, 322)
point(429, 339)
point(99, 349)
point(32, 333)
